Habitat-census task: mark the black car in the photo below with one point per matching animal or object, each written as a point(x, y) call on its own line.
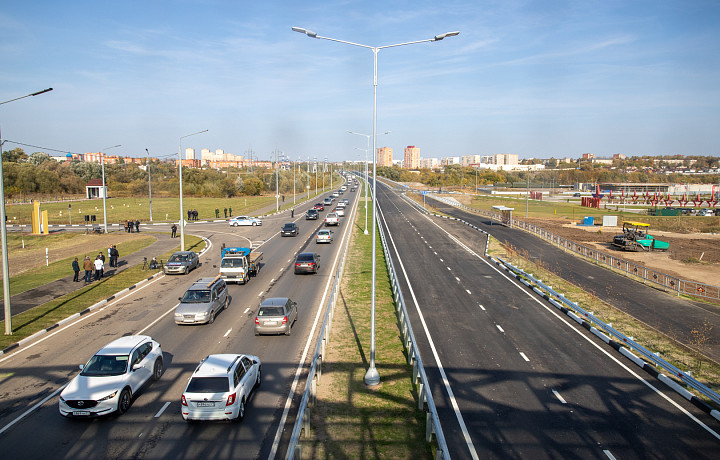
point(307, 262)
point(312, 214)
point(289, 229)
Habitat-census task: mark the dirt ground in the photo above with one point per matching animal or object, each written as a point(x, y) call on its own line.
point(692, 256)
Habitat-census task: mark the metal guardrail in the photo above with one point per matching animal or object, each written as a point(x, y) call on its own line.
point(667, 282)
point(302, 421)
point(625, 340)
point(432, 420)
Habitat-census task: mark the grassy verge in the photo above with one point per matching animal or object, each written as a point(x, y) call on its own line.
point(27, 323)
point(349, 419)
point(686, 357)
point(61, 268)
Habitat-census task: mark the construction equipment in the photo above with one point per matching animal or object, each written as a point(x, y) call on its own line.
point(636, 237)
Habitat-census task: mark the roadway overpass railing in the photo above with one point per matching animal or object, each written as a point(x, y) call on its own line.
point(630, 269)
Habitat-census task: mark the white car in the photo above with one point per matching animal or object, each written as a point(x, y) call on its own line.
point(220, 387)
point(244, 220)
point(324, 236)
point(113, 375)
point(339, 211)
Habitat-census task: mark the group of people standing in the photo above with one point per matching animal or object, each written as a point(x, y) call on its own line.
point(129, 224)
point(192, 214)
point(225, 211)
point(97, 266)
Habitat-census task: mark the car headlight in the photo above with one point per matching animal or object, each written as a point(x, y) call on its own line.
point(178, 315)
point(110, 396)
point(203, 314)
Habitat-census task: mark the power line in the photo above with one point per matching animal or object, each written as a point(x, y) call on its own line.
point(39, 147)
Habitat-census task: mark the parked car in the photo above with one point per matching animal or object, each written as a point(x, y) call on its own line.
point(202, 301)
point(111, 377)
point(220, 387)
point(324, 236)
point(181, 262)
point(319, 207)
point(276, 315)
point(312, 214)
point(339, 211)
point(332, 219)
point(245, 220)
point(307, 262)
point(289, 229)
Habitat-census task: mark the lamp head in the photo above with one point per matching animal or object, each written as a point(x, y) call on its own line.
point(309, 33)
point(447, 34)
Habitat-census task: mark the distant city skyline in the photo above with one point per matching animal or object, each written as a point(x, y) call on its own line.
point(533, 79)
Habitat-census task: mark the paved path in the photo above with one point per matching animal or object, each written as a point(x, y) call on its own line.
point(47, 292)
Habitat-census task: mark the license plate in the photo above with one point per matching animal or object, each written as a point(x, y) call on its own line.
point(206, 404)
point(189, 320)
point(81, 412)
point(271, 323)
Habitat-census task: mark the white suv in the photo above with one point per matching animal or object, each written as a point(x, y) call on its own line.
point(220, 387)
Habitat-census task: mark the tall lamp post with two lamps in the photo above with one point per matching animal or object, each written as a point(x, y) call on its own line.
point(372, 377)
point(3, 230)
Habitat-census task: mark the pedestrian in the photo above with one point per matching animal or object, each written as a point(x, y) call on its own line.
point(76, 269)
point(283, 197)
point(225, 211)
point(130, 226)
point(195, 215)
point(230, 211)
point(189, 214)
point(98, 264)
point(217, 213)
point(110, 256)
point(114, 256)
point(88, 267)
point(101, 256)
point(125, 226)
point(137, 225)
point(292, 212)
point(174, 231)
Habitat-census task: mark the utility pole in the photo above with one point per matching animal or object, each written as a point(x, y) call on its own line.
point(149, 183)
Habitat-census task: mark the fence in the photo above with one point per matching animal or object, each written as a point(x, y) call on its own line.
point(662, 280)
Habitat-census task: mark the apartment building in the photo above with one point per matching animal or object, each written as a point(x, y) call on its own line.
point(411, 159)
point(385, 156)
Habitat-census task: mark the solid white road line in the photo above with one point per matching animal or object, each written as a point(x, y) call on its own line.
point(557, 395)
point(441, 369)
point(581, 334)
point(32, 409)
point(160, 412)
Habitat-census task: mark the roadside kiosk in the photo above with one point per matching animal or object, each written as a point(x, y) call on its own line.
point(505, 215)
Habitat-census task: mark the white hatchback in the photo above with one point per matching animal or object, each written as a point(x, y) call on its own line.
point(220, 387)
point(113, 375)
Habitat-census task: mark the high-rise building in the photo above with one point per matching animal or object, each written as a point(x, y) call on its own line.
point(384, 156)
point(411, 160)
point(190, 154)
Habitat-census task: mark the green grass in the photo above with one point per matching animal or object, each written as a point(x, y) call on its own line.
point(349, 419)
point(61, 268)
point(684, 352)
point(123, 209)
point(27, 323)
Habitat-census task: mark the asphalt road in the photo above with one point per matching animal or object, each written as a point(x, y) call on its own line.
point(31, 377)
point(669, 314)
point(511, 377)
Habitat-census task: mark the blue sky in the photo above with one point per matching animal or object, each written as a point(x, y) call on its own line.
point(535, 78)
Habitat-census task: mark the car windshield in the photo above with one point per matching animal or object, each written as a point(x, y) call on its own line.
point(196, 296)
point(271, 311)
point(289, 226)
point(105, 366)
point(232, 263)
point(178, 258)
point(208, 385)
point(305, 258)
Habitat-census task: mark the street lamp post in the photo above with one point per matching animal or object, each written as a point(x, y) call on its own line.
point(372, 377)
point(149, 183)
point(366, 171)
point(3, 231)
point(182, 216)
point(104, 187)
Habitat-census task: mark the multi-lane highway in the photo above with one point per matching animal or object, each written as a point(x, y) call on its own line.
point(511, 377)
point(32, 376)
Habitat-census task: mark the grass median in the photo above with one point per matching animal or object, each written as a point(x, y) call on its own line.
point(29, 322)
point(349, 419)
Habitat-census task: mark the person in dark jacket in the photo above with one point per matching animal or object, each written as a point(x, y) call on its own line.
point(173, 234)
point(76, 269)
point(137, 226)
point(114, 254)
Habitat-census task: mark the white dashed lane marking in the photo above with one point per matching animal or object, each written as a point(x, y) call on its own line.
point(160, 412)
point(524, 357)
point(500, 328)
point(557, 395)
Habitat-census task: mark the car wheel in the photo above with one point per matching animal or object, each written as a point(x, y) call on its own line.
point(254, 224)
point(186, 271)
point(257, 381)
point(212, 317)
point(289, 331)
point(235, 224)
point(124, 401)
point(157, 369)
point(241, 411)
point(227, 302)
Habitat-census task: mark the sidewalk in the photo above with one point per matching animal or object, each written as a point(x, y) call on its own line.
point(47, 292)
